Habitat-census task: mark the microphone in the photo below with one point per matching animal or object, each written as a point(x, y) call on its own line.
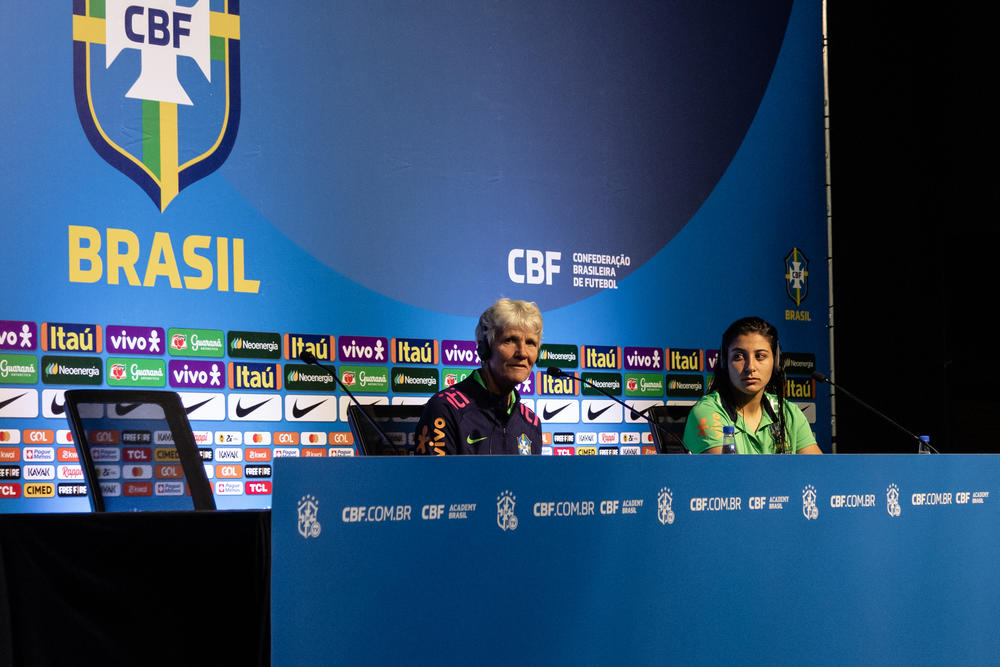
point(636, 414)
point(922, 444)
point(309, 358)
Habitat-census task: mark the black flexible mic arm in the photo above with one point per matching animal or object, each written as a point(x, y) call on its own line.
point(559, 373)
point(309, 358)
point(819, 377)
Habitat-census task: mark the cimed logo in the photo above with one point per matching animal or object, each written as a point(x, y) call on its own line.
point(506, 518)
point(664, 511)
point(308, 523)
point(186, 130)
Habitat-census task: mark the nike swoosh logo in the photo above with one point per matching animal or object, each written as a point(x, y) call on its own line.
point(547, 414)
point(298, 412)
point(594, 415)
point(57, 408)
point(194, 407)
point(469, 439)
point(122, 409)
point(243, 412)
point(4, 404)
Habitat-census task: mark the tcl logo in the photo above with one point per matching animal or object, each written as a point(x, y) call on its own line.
point(258, 488)
point(10, 490)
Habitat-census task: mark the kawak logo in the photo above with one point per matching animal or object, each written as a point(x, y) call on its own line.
point(187, 128)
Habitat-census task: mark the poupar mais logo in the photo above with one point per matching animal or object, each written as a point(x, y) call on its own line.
point(187, 130)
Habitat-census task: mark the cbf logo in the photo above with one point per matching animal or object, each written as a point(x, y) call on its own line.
point(796, 276)
point(809, 508)
point(892, 500)
point(127, 55)
point(308, 523)
point(506, 518)
point(664, 511)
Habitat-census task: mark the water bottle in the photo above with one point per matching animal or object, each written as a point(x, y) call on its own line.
point(923, 448)
point(728, 439)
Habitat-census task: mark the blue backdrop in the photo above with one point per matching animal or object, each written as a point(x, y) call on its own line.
point(191, 195)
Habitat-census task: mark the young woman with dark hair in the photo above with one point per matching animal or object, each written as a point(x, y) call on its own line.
point(748, 392)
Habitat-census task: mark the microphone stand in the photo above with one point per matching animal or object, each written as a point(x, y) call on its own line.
point(310, 358)
point(559, 373)
point(922, 444)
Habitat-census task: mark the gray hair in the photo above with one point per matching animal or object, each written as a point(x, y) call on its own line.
point(508, 313)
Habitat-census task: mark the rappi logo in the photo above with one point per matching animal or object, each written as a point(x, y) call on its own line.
point(199, 117)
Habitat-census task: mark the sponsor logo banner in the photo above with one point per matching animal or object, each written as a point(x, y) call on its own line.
point(643, 359)
point(18, 335)
point(310, 408)
point(686, 386)
point(136, 372)
point(553, 386)
point(8, 471)
point(601, 412)
point(638, 408)
point(203, 406)
point(609, 382)
point(64, 337)
point(711, 360)
point(558, 411)
point(39, 490)
point(254, 407)
point(370, 379)
point(196, 342)
point(798, 389)
point(798, 363)
point(18, 369)
point(460, 353)
point(71, 370)
point(452, 376)
point(363, 349)
point(191, 373)
point(345, 401)
point(685, 359)
point(601, 356)
point(560, 356)
point(304, 377)
point(253, 345)
point(251, 375)
point(323, 347)
point(65, 490)
point(643, 384)
point(414, 351)
point(527, 387)
point(121, 339)
point(414, 380)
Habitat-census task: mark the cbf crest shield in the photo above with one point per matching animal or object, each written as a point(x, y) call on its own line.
point(157, 87)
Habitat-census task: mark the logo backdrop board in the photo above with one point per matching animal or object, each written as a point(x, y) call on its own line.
point(194, 193)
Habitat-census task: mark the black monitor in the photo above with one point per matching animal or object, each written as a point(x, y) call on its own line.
point(398, 422)
point(137, 451)
point(668, 432)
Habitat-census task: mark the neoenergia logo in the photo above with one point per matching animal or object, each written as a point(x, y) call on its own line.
point(131, 69)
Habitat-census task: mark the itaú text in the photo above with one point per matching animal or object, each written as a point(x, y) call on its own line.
point(206, 260)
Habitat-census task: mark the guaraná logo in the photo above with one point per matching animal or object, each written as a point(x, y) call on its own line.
point(129, 57)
